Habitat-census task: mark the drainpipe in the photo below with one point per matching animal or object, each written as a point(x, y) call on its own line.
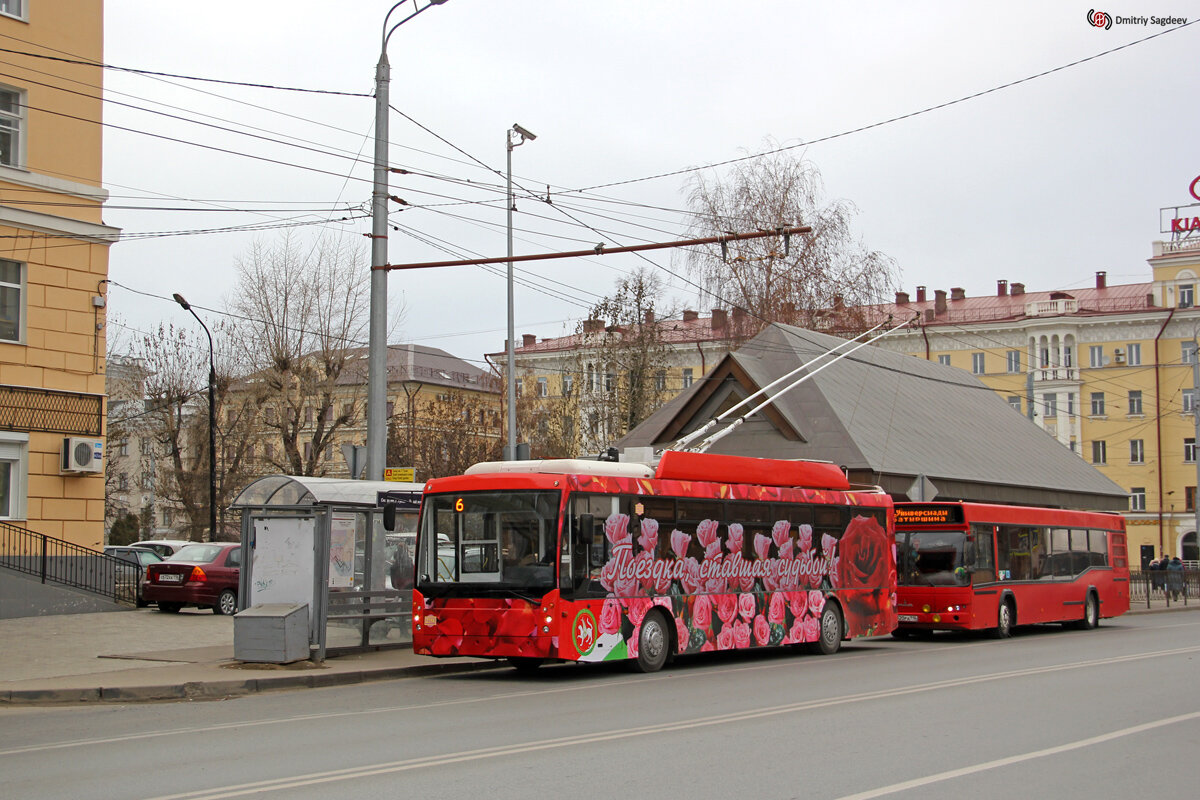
point(925, 333)
point(1158, 427)
point(701, 349)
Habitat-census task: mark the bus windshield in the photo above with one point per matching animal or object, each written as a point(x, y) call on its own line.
point(484, 541)
point(932, 558)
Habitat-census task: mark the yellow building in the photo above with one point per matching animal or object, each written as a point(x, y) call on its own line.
point(52, 270)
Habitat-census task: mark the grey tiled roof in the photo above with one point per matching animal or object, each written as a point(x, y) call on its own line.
point(891, 417)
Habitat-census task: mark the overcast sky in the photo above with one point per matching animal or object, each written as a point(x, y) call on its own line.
point(1044, 182)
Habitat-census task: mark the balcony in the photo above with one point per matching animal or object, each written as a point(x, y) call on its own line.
point(1051, 308)
point(1057, 374)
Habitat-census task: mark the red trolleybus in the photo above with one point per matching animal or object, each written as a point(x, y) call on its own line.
point(570, 560)
point(970, 566)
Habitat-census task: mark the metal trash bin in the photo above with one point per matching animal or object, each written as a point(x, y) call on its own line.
point(272, 633)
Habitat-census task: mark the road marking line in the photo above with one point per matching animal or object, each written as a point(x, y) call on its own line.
point(1004, 762)
point(370, 770)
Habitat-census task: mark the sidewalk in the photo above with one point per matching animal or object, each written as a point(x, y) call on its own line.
point(135, 656)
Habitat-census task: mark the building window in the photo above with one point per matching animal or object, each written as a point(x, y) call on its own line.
point(1070, 404)
point(660, 381)
point(268, 451)
point(1135, 402)
point(1133, 355)
point(517, 386)
point(977, 363)
point(1015, 402)
point(1137, 451)
point(568, 381)
point(1187, 352)
point(1068, 356)
point(1044, 358)
point(1137, 498)
point(1014, 360)
point(308, 415)
point(1189, 450)
point(12, 298)
point(1100, 452)
point(391, 406)
point(543, 388)
point(610, 382)
point(14, 460)
point(308, 451)
point(122, 447)
point(13, 8)
point(12, 125)
point(1187, 295)
point(167, 516)
point(1097, 404)
point(687, 377)
point(1189, 401)
point(1096, 355)
point(1050, 402)
point(269, 415)
point(1189, 498)
point(944, 360)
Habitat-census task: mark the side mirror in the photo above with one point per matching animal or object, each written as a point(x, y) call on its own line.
point(389, 518)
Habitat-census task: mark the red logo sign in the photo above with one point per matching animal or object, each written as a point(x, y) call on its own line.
point(1194, 189)
point(584, 632)
point(1099, 19)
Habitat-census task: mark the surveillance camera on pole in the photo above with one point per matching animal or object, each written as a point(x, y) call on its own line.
point(525, 133)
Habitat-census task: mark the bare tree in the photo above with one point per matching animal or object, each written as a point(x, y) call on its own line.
point(305, 317)
point(797, 281)
point(444, 436)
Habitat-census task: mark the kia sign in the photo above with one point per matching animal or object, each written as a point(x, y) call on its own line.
point(1178, 220)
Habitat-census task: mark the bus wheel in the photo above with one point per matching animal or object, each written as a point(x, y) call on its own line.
point(654, 643)
point(830, 640)
point(524, 664)
point(902, 633)
point(1091, 614)
point(1004, 621)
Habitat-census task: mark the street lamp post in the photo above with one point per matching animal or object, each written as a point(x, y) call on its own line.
point(377, 339)
point(513, 137)
point(212, 422)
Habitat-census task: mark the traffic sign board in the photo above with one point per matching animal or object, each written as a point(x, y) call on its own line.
point(400, 474)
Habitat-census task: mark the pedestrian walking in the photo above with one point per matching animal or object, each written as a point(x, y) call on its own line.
point(1175, 577)
point(1156, 575)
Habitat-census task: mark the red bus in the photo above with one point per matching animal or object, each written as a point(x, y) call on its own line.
point(972, 566)
point(571, 560)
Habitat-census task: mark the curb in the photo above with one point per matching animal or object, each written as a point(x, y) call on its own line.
point(225, 689)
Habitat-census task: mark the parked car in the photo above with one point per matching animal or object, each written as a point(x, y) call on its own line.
point(129, 581)
point(164, 547)
point(204, 575)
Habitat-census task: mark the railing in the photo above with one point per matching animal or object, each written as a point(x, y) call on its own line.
point(68, 564)
point(1164, 587)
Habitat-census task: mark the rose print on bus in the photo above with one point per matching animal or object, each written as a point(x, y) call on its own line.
point(725, 599)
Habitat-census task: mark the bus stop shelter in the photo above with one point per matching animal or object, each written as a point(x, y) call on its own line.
point(320, 542)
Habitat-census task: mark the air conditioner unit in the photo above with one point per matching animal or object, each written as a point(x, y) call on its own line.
point(82, 455)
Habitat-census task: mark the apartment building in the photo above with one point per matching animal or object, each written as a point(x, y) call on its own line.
point(53, 266)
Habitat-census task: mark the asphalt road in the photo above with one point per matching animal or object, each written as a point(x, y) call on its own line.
point(1049, 713)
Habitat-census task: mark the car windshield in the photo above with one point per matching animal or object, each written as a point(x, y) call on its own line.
point(483, 542)
point(202, 553)
point(932, 558)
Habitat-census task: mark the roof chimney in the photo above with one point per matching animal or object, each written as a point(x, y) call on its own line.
point(789, 312)
point(901, 298)
point(1001, 288)
point(939, 301)
point(593, 325)
point(690, 316)
point(1016, 289)
point(839, 304)
point(929, 315)
point(719, 318)
point(958, 293)
point(920, 294)
point(649, 317)
point(739, 314)
point(1101, 279)
point(528, 340)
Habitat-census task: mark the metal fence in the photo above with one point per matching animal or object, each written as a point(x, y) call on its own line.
point(1164, 587)
point(67, 564)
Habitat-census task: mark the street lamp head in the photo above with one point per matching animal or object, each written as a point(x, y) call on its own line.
point(518, 129)
point(184, 303)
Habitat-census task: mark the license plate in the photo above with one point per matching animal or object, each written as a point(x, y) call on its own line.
point(170, 577)
point(907, 617)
